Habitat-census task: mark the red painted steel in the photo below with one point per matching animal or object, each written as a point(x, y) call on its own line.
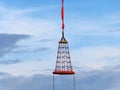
point(64, 72)
point(63, 61)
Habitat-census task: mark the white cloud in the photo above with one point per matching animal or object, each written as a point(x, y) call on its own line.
point(96, 57)
point(106, 80)
point(28, 68)
point(18, 21)
point(102, 25)
point(91, 57)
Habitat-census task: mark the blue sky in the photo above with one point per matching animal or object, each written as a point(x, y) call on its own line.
point(29, 35)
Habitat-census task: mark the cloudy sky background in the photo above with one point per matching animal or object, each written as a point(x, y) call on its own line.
point(29, 35)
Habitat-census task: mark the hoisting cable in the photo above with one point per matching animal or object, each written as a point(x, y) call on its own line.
point(62, 15)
